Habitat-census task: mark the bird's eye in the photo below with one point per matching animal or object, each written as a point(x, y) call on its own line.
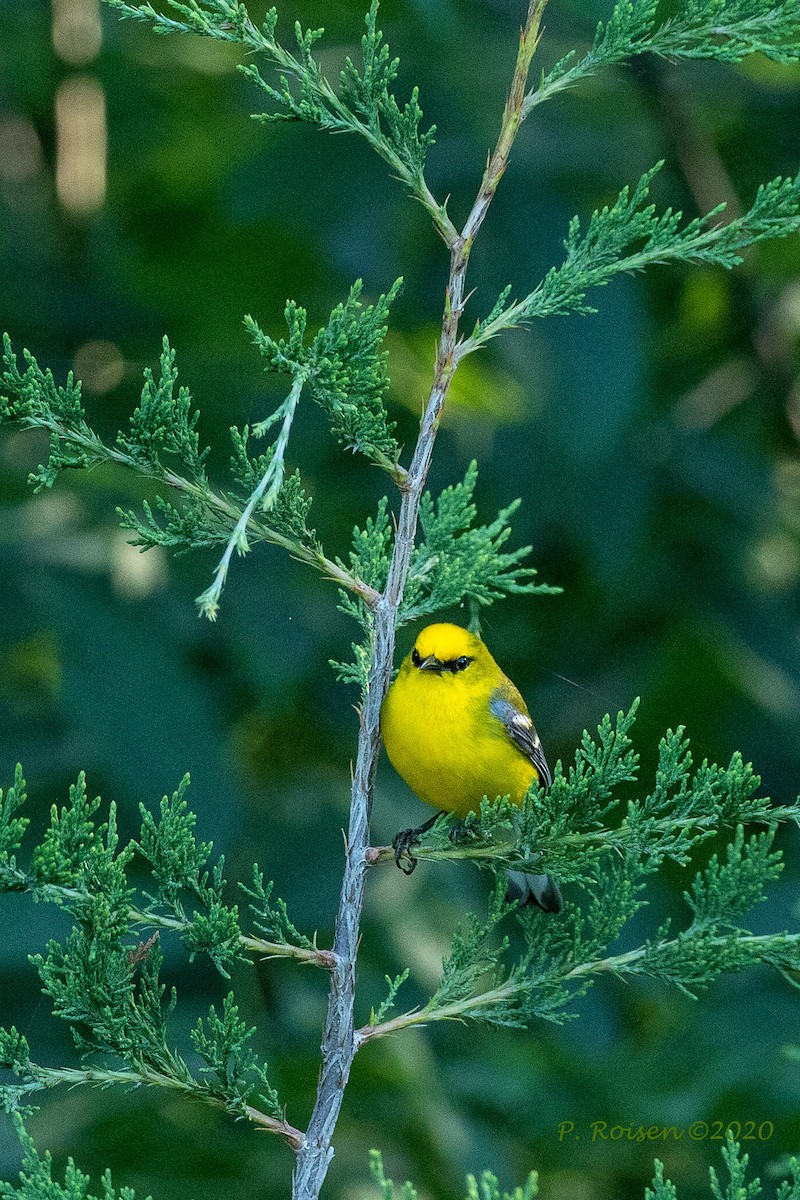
point(462, 663)
point(415, 658)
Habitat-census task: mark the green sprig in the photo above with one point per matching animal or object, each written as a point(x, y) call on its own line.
point(387, 1004)
point(36, 1182)
point(386, 1186)
point(272, 916)
point(630, 235)
point(736, 1187)
point(180, 866)
point(164, 423)
point(724, 30)
point(486, 1187)
point(365, 104)
point(457, 560)
point(724, 892)
point(368, 560)
point(232, 1070)
point(475, 954)
point(107, 987)
point(567, 832)
point(367, 92)
point(343, 368)
point(33, 399)
point(12, 827)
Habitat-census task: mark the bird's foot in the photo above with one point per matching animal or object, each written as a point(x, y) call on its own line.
point(403, 842)
point(462, 831)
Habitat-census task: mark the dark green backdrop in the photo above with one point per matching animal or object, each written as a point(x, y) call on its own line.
point(655, 446)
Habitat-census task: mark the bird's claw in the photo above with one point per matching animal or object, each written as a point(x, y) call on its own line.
point(401, 844)
point(457, 832)
point(405, 839)
point(462, 831)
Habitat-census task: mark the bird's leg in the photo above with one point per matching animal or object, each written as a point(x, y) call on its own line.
point(405, 839)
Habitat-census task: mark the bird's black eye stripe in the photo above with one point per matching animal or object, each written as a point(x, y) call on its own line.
point(461, 664)
point(415, 658)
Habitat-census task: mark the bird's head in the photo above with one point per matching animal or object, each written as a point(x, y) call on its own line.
point(448, 651)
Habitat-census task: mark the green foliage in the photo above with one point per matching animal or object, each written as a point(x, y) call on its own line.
point(570, 827)
point(35, 400)
point(367, 93)
point(368, 560)
point(789, 1189)
point(365, 104)
point(112, 997)
point(485, 1188)
point(488, 1188)
point(179, 865)
point(725, 30)
point(12, 827)
point(15, 1053)
point(455, 560)
point(192, 526)
point(369, 557)
point(205, 519)
point(386, 1005)
point(730, 30)
point(289, 506)
point(232, 1068)
point(272, 917)
point(74, 848)
point(36, 1180)
point(386, 1186)
point(630, 235)
point(106, 984)
point(344, 369)
point(662, 1189)
point(176, 858)
point(567, 833)
point(736, 1187)
point(725, 891)
point(473, 957)
point(161, 424)
point(357, 670)
point(164, 423)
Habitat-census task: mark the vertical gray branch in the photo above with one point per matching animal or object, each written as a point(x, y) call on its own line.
point(338, 1045)
point(338, 1042)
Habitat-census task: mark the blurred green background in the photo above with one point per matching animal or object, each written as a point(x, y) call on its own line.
point(655, 446)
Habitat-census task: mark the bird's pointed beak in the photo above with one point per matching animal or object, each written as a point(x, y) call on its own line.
point(431, 663)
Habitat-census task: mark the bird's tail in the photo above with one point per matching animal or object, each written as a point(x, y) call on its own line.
point(540, 890)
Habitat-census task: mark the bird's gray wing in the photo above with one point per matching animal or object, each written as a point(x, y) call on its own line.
point(522, 731)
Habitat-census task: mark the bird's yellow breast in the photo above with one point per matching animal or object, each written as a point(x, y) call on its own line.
point(442, 738)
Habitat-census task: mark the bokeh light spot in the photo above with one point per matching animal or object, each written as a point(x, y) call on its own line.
point(81, 145)
point(77, 32)
point(99, 366)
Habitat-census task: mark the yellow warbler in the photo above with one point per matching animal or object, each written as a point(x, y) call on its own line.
point(456, 729)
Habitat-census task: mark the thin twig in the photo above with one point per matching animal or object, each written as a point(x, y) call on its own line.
point(261, 946)
point(619, 838)
point(339, 1044)
point(47, 1077)
point(15, 880)
point(314, 558)
point(268, 486)
point(617, 964)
